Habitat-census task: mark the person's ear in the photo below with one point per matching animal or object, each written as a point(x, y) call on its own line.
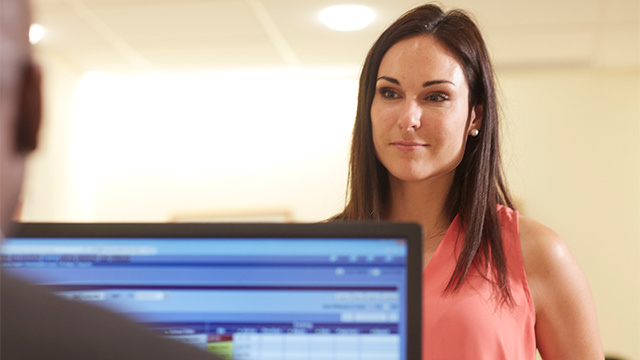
point(475, 119)
point(30, 109)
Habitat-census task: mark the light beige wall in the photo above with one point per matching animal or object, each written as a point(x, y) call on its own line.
point(150, 148)
point(572, 153)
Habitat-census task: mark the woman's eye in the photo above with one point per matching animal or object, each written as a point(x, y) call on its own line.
point(437, 97)
point(388, 93)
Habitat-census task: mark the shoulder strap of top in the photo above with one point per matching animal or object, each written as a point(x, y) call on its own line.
point(510, 231)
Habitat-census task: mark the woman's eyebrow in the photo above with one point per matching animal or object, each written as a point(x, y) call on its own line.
point(389, 79)
point(426, 84)
point(434, 82)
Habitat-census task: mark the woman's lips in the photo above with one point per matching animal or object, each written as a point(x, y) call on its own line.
point(408, 146)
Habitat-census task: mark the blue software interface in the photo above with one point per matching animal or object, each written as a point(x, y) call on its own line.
point(241, 298)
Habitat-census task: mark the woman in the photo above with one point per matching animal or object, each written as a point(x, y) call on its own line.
point(425, 149)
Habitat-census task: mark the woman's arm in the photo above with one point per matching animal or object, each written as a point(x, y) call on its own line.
point(566, 323)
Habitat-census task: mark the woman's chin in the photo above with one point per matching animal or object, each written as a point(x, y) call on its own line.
point(420, 176)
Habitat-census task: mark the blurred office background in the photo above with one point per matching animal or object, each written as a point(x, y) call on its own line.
point(215, 110)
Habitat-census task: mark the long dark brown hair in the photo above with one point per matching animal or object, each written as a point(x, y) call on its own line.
point(478, 184)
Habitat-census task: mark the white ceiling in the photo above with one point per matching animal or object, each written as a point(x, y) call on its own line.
point(125, 35)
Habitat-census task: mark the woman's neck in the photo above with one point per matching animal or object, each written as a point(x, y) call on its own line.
point(423, 203)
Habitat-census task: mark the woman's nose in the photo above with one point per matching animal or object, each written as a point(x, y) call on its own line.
point(411, 117)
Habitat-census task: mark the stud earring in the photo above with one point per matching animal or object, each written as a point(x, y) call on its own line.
point(474, 132)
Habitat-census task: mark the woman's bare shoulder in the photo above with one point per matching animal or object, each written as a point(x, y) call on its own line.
point(541, 246)
point(566, 324)
point(548, 262)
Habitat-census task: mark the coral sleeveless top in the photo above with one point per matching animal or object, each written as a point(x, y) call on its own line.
point(471, 323)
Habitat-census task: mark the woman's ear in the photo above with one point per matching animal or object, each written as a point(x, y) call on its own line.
point(475, 118)
point(30, 109)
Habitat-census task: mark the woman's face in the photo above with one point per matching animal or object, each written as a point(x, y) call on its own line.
point(420, 112)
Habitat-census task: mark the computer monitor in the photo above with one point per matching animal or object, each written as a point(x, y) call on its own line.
point(246, 291)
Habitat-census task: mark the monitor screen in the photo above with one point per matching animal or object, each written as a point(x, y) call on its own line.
point(244, 291)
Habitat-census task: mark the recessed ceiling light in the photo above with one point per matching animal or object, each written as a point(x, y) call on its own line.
point(347, 17)
point(36, 33)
